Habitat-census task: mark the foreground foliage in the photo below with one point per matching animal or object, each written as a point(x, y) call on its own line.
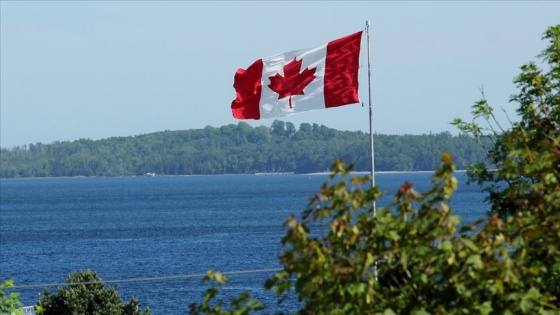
point(9, 303)
point(241, 305)
point(424, 261)
point(526, 157)
point(415, 257)
point(86, 294)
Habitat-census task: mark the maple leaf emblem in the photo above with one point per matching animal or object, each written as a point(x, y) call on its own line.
point(293, 82)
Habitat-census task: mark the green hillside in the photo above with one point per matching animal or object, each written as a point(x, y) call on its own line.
point(236, 149)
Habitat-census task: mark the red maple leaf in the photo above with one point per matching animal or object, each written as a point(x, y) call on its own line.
point(293, 82)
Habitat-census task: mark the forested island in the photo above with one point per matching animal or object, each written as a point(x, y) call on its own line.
point(236, 149)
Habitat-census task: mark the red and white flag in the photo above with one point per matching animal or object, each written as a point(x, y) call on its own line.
point(300, 80)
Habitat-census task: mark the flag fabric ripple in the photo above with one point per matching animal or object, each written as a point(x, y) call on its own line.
point(300, 80)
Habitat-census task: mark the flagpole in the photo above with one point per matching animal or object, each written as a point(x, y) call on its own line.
point(371, 134)
point(370, 117)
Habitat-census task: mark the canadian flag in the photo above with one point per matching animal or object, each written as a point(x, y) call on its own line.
point(300, 80)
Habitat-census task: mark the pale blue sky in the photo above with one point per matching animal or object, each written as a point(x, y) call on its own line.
point(98, 69)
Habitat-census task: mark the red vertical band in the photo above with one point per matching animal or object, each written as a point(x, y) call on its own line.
point(341, 71)
point(248, 86)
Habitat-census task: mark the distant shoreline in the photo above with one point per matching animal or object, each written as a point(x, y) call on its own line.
point(255, 174)
point(381, 172)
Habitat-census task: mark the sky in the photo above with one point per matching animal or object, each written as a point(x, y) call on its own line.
point(101, 69)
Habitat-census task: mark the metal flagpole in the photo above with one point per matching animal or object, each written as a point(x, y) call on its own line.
point(370, 117)
point(371, 133)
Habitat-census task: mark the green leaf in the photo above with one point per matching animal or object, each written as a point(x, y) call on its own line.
point(475, 261)
point(389, 311)
point(469, 244)
point(485, 308)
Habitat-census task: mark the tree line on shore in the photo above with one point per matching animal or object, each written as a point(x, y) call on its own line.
point(236, 149)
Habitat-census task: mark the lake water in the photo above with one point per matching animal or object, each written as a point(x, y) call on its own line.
point(147, 227)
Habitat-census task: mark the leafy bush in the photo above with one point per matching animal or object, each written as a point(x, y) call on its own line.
point(9, 303)
point(86, 294)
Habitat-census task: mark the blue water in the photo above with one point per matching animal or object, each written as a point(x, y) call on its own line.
point(142, 227)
